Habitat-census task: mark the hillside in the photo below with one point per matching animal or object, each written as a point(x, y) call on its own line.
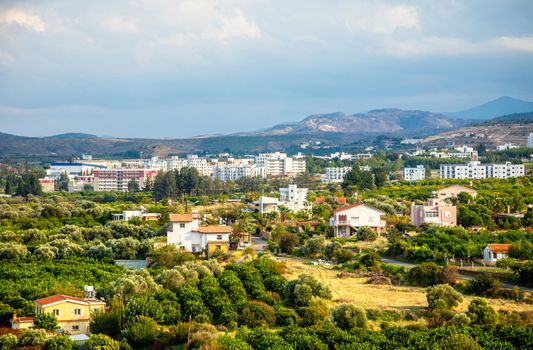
point(501, 106)
point(380, 121)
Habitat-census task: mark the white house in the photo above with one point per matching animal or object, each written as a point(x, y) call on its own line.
point(186, 234)
point(494, 252)
point(292, 197)
point(267, 204)
point(414, 174)
point(347, 220)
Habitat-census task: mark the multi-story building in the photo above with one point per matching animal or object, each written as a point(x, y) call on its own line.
point(118, 179)
point(453, 191)
point(506, 147)
point(234, 172)
point(347, 220)
point(336, 174)
point(47, 184)
point(58, 168)
point(279, 164)
point(436, 212)
point(73, 314)
point(530, 140)
point(292, 198)
point(414, 174)
point(187, 234)
point(476, 170)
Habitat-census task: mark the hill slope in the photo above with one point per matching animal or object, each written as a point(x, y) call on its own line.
point(501, 106)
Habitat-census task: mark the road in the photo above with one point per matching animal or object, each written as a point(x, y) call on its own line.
point(461, 276)
point(258, 244)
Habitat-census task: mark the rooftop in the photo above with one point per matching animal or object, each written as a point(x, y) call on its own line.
point(181, 217)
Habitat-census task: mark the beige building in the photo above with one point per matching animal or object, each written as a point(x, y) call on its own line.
point(73, 314)
point(453, 191)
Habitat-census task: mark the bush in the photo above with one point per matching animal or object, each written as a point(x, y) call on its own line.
point(46, 321)
point(258, 314)
point(480, 312)
point(142, 330)
point(8, 342)
point(443, 297)
point(448, 274)
point(371, 260)
point(314, 246)
point(60, 342)
point(366, 234)
point(107, 323)
point(314, 314)
point(287, 242)
point(33, 337)
point(342, 255)
point(347, 316)
point(100, 342)
point(458, 341)
point(485, 284)
point(424, 275)
point(285, 316)
point(300, 292)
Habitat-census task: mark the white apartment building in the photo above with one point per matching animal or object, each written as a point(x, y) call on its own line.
point(118, 179)
point(279, 164)
point(530, 140)
point(506, 147)
point(476, 170)
point(292, 197)
point(414, 174)
point(336, 174)
point(234, 172)
point(58, 168)
point(463, 155)
point(204, 167)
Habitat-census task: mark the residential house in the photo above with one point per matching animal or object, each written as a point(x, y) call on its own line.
point(494, 252)
point(453, 191)
point(347, 220)
point(73, 314)
point(187, 234)
point(291, 197)
point(436, 212)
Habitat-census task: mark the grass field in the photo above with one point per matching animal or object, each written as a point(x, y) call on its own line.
point(368, 296)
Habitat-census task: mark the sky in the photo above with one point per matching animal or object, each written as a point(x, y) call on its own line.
point(172, 68)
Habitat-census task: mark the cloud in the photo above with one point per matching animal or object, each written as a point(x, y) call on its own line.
point(22, 18)
point(121, 24)
point(236, 25)
point(524, 43)
point(6, 59)
point(384, 19)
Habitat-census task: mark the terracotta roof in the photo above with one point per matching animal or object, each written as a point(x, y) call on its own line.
point(466, 189)
point(340, 200)
point(499, 248)
point(348, 207)
point(181, 217)
point(23, 319)
point(56, 298)
point(215, 229)
point(320, 200)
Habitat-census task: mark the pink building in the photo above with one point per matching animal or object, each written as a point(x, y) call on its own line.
point(118, 179)
point(437, 212)
point(47, 184)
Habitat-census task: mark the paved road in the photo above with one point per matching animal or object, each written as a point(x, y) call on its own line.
point(258, 244)
point(461, 276)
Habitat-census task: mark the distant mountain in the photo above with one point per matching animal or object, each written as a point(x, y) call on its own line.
point(515, 117)
point(379, 121)
point(501, 106)
point(73, 135)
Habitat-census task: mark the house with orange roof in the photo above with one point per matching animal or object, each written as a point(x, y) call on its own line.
point(347, 220)
point(187, 234)
point(73, 314)
point(494, 252)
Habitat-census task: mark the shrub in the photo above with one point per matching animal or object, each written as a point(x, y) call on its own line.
point(459, 341)
point(443, 297)
point(300, 291)
point(480, 312)
point(315, 313)
point(371, 260)
point(366, 234)
point(448, 274)
point(107, 323)
point(258, 314)
point(314, 246)
point(100, 342)
point(8, 342)
point(285, 316)
point(46, 321)
point(33, 337)
point(424, 275)
point(60, 342)
point(342, 255)
point(348, 316)
point(485, 284)
point(142, 330)
point(287, 242)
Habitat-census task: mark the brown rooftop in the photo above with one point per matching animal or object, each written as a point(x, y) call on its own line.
point(215, 229)
point(180, 217)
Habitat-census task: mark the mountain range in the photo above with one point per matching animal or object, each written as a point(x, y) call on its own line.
point(335, 129)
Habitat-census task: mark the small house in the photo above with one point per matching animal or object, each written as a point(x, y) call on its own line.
point(494, 252)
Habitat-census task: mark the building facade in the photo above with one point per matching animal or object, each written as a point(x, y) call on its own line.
point(436, 212)
point(414, 174)
point(336, 174)
point(476, 170)
point(47, 184)
point(118, 179)
point(279, 164)
point(347, 220)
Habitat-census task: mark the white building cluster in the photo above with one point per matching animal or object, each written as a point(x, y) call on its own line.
point(414, 174)
point(291, 197)
point(476, 170)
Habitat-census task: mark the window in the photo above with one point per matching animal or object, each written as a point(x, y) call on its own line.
point(55, 312)
point(77, 311)
point(219, 237)
point(76, 327)
point(182, 225)
point(355, 218)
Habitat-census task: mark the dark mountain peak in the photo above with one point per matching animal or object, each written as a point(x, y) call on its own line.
point(503, 105)
point(73, 135)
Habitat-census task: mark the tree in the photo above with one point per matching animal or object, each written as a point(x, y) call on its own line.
point(63, 182)
point(101, 342)
point(314, 246)
point(46, 321)
point(133, 186)
point(424, 275)
point(33, 337)
point(315, 313)
point(60, 342)
point(169, 256)
point(459, 341)
point(107, 323)
point(380, 177)
point(142, 330)
point(365, 233)
point(287, 242)
point(485, 284)
point(300, 292)
point(8, 341)
point(348, 316)
point(448, 274)
point(258, 314)
point(13, 251)
point(443, 297)
point(361, 179)
point(480, 312)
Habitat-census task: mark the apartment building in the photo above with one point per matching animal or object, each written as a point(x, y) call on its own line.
point(336, 174)
point(506, 146)
point(414, 174)
point(47, 184)
point(58, 168)
point(235, 172)
point(291, 197)
point(279, 164)
point(476, 170)
point(530, 140)
point(118, 179)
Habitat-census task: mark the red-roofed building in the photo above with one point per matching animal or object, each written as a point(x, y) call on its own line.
point(494, 252)
point(347, 220)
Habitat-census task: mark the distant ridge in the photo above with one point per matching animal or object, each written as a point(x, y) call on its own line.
point(73, 135)
point(515, 117)
point(501, 106)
